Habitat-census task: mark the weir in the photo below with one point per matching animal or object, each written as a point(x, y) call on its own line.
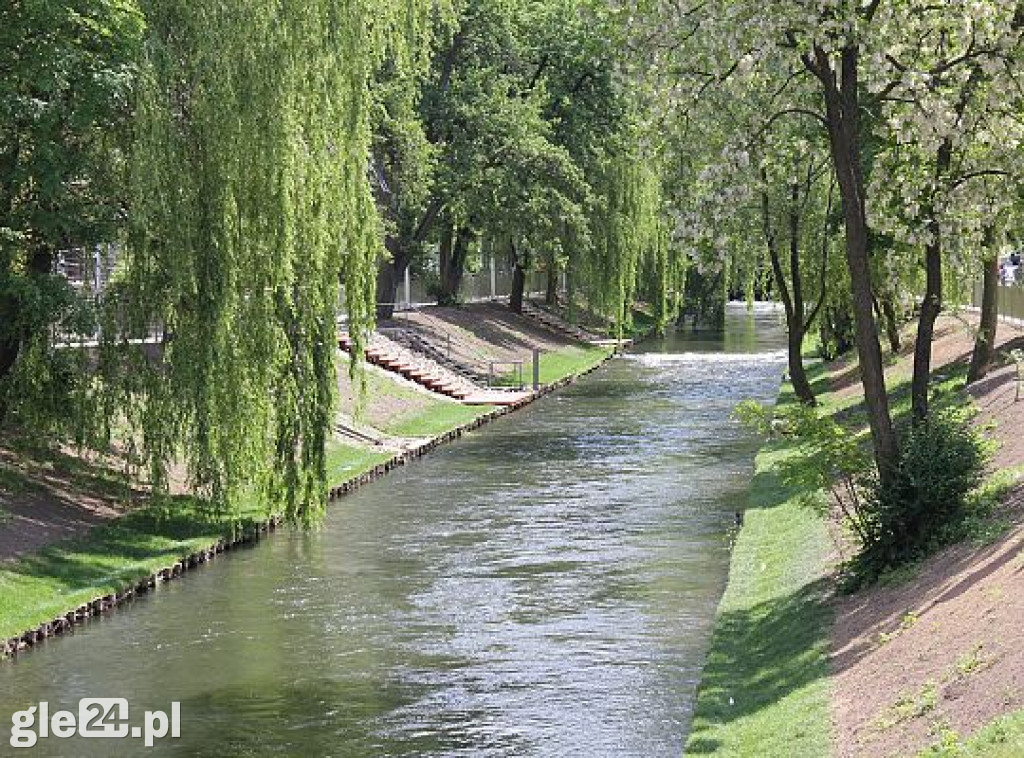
point(545, 586)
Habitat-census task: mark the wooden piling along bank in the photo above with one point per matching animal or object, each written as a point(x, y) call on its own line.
point(105, 603)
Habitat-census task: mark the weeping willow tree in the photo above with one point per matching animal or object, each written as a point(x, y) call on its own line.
point(250, 203)
point(630, 251)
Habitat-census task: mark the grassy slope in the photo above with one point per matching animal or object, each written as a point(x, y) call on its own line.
point(569, 361)
point(764, 691)
point(769, 648)
point(64, 575)
point(346, 462)
point(403, 411)
point(435, 419)
point(37, 588)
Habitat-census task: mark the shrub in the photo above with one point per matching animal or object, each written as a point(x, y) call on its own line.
point(942, 460)
point(826, 457)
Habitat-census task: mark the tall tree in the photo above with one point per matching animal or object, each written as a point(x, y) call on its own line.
point(66, 75)
point(249, 197)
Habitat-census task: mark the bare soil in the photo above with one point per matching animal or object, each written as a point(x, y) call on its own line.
point(941, 651)
point(47, 496)
point(483, 332)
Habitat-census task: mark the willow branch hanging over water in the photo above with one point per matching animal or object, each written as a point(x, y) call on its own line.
point(249, 199)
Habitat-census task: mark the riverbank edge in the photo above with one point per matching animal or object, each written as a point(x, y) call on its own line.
point(765, 687)
point(102, 604)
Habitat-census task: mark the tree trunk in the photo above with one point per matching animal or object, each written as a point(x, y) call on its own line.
point(515, 300)
point(791, 294)
point(10, 345)
point(843, 120)
point(931, 307)
point(797, 372)
point(985, 343)
point(389, 275)
point(444, 263)
point(551, 290)
point(40, 265)
point(454, 251)
point(9, 349)
point(892, 323)
point(570, 295)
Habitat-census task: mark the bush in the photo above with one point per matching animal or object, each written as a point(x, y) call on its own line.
point(942, 461)
point(826, 456)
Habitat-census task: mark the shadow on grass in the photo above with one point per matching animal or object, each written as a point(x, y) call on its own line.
point(760, 655)
point(27, 468)
point(70, 572)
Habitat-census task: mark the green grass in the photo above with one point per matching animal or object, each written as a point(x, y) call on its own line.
point(567, 361)
point(64, 575)
point(1003, 738)
point(407, 412)
point(345, 462)
point(764, 691)
point(435, 419)
point(559, 364)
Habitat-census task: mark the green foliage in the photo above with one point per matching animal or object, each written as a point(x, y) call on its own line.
point(64, 116)
point(523, 135)
point(65, 92)
point(827, 458)
point(934, 497)
point(942, 461)
point(1003, 738)
point(249, 198)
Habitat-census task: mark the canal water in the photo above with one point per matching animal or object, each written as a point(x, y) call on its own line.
point(544, 587)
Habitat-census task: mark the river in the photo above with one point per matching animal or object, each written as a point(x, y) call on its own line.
point(544, 587)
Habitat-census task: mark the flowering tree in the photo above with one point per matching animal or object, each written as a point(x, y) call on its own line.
point(899, 89)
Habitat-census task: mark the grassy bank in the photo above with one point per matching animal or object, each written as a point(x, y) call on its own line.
point(400, 410)
point(36, 588)
point(62, 576)
point(570, 361)
point(764, 690)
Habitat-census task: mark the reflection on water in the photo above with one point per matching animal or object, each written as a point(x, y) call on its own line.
point(544, 587)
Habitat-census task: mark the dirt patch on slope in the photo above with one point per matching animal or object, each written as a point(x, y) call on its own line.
point(482, 332)
point(51, 495)
point(942, 651)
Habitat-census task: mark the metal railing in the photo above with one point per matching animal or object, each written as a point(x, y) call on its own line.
point(495, 379)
